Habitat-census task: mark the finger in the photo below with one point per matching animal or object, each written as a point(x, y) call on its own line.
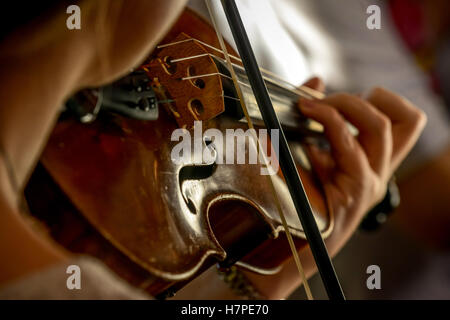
point(347, 152)
point(374, 127)
point(407, 121)
point(315, 83)
point(322, 162)
point(396, 107)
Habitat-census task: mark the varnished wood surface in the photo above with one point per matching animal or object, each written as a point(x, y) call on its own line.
point(118, 174)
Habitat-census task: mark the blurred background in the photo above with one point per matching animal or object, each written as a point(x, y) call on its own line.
point(412, 247)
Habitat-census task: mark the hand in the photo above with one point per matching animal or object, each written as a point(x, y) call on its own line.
point(356, 171)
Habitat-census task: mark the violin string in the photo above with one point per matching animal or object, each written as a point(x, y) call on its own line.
point(301, 90)
point(303, 94)
point(216, 74)
point(273, 190)
point(175, 100)
point(189, 58)
point(199, 41)
point(206, 75)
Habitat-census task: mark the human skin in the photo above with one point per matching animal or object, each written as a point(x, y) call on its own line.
point(354, 175)
point(38, 75)
point(41, 66)
point(424, 210)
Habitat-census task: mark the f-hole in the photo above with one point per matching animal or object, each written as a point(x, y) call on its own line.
point(193, 172)
point(196, 82)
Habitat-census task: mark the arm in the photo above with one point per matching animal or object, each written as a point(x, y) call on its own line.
point(424, 214)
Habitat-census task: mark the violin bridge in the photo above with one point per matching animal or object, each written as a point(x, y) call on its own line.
point(185, 73)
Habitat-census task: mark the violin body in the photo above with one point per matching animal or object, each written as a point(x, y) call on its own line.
point(110, 188)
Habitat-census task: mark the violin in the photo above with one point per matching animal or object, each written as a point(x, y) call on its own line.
point(106, 184)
